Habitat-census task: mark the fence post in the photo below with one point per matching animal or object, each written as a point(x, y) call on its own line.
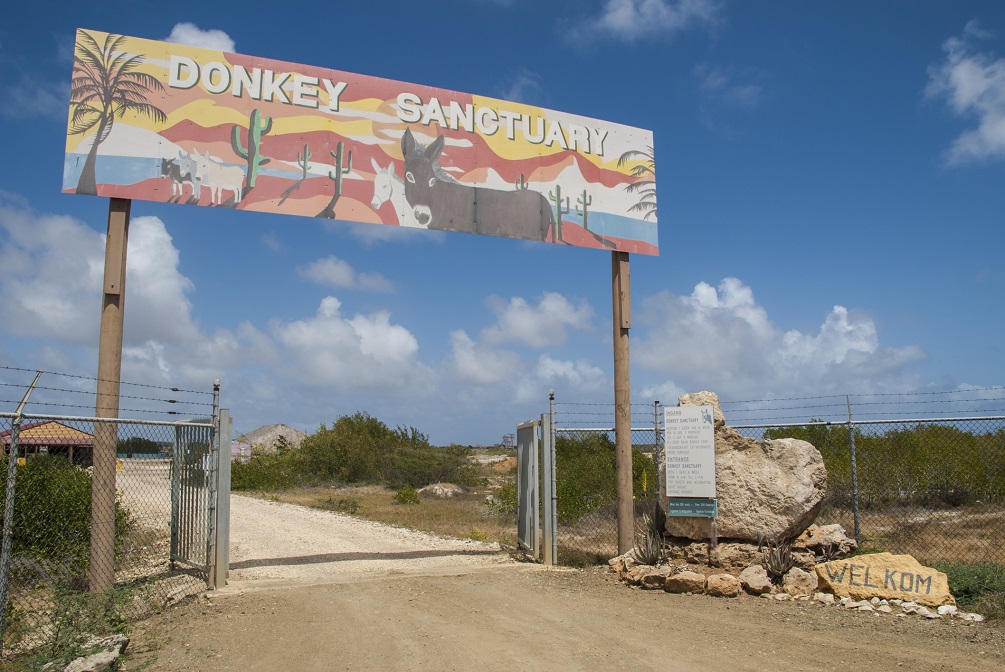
point(8, 509)
point(854, 473)
point(657, 451)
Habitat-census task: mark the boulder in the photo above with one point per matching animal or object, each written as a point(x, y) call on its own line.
point(654, 579)
point(722, 585)
point(754, 580)
point(442, 490)
point(826, 540)
point(886, 576)
point(685, 582)
point(799, 582)
point(765, 489)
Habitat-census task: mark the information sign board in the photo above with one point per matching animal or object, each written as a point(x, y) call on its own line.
point(693, 507)
point(689, 449)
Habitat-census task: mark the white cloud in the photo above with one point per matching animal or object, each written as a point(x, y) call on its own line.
point(479, 364)
point(632, 20)
point(580, 375)
point(33, 98)
point(159, 308)
point(363, 352)
point(725, 86)
point(523, 87)
point(721, 339)
point(545, 324)
point(193, 36)
point(335, 272)
point(52, 274)
point(973, 84)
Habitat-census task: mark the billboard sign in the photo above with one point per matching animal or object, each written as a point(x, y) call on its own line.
point(158, 121)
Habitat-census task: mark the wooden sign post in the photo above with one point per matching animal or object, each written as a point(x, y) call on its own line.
point(621, 287)
point(101, 574)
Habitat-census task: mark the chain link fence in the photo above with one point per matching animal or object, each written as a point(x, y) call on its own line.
point(933, 488)
point(48, 532)
point(585, 481)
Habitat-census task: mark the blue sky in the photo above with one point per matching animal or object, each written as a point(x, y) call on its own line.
point(831, 191)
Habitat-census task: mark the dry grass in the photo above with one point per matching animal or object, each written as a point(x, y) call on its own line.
point(967, 534)
point(465, 516)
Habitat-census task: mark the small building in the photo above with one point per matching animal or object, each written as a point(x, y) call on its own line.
point(53, 438)
point(240, 451)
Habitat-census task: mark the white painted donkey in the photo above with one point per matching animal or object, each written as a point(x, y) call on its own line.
point(218, 177)
point(387, 186)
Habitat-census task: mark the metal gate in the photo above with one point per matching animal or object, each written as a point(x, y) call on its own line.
point(193, 496)
point(536, 489)
point(200, 496)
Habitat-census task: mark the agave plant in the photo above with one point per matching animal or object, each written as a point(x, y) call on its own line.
point(776, 556)
point(649, 536)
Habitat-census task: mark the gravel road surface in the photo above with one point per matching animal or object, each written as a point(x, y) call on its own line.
point(311, 590)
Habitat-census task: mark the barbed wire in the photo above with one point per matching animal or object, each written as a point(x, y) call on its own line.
point(105, 380)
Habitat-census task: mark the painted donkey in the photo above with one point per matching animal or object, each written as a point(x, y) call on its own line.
point(439, 203)
point(387, 186)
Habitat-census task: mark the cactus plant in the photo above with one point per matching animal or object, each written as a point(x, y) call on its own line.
point(336, 177)
point(521, 184)
point(559, 210)
point(253, 154)
point(303, 161)
point(586, 201)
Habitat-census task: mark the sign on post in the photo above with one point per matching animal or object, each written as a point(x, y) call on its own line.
point(689, 449)
point(158, 121)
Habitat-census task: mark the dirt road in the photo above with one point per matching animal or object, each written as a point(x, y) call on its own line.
point(316, 591)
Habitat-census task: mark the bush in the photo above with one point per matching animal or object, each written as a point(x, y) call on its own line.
point(265, 472)
point(586, 475)
point(406, 495)
point(979, 586)
point(357, 449)
point(507, 504)
point(52, 515)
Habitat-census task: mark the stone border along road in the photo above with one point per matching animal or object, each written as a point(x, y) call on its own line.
point(314, 590)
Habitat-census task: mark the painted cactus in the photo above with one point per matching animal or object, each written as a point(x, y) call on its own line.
point(586, 201)
point(336, 177)
point(303, 161)
point(521, 184)
point(560, 210)
point(253, 154)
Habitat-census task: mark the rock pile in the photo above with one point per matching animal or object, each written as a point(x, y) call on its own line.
point(769, 493)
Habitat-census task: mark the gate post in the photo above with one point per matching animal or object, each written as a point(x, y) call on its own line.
point(223, 502)
point(548, 496)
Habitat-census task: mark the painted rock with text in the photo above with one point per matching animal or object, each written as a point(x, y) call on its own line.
point(770, 489)
point(885, 576)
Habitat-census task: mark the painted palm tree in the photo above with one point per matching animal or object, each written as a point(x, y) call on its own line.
point(106, 85)
point(645, 180)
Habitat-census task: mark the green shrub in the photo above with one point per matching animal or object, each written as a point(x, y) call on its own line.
point(348, 505)
point(70, 621)
point(585, 471)
point(52, 515)
point(979, 586)
point(406, 495)
point(277, 471)
point(505, 503)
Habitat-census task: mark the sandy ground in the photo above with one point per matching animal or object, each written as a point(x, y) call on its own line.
point(311, 590)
